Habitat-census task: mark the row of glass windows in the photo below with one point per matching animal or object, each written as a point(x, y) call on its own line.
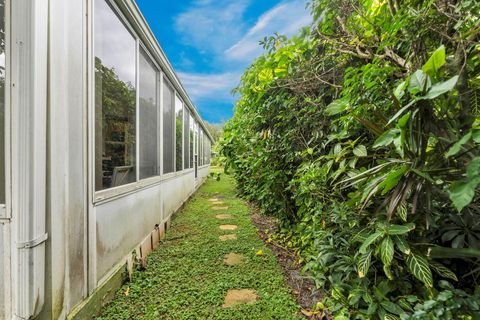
point(118, 103)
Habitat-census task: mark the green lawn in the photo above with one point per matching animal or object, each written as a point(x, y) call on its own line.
point(186, 277)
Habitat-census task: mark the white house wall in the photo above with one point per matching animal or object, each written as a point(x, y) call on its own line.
point(2, 274)
point(122, 224)
point(88, 238)
point(66, 257)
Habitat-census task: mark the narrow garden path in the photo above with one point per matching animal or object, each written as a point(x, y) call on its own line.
point(211, 265)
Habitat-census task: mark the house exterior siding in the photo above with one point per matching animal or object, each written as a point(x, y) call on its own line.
point(82, 235)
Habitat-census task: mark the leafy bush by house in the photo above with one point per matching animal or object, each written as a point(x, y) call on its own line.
point(362, 134)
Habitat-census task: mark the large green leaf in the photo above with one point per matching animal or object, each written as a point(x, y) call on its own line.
point(476, 135)
point(402, 245)
point(454, 253)
point(436, 61)
point(400, 90)
point(386, 251)
point(458, 145)
point(336, 107)
point(364, 263)
point(387, 138)
point(396, 229)
point(440, 88)
point(403, 121)
point(419, 82)
point(370, 239)
point(418, 266)
point(462, 193)
point(473, 168)
point(391, 307)
point(360, 151)
point(443, 271)
point(392, 179)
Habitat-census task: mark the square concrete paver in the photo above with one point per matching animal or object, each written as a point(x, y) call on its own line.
point(233, 259)
point(224, 216)
point(240, 296)
point(219, 208)
point(228, 227)
point(226, 237)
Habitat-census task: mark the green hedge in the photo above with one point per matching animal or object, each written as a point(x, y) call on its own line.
point(362, 135)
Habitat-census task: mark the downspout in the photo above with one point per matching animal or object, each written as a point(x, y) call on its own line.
point(29, 101)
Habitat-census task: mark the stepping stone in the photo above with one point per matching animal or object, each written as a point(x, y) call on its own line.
point(219, 208)
point(242, 296)
point(217, 203)
point(226, 237)
point(224, 216)
point(232, 259)
point(228, 227)
point(213, 199)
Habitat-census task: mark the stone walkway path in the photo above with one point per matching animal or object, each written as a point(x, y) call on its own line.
point(211, 265)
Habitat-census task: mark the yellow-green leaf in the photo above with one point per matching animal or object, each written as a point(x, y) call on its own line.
point(436, 61)
point(419, 267)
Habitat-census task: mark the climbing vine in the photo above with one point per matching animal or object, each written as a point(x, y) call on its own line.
point(362, 135)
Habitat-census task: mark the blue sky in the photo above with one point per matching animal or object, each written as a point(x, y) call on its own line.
point(210, 43)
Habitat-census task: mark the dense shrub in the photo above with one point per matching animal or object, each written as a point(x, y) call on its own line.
point(362, 136)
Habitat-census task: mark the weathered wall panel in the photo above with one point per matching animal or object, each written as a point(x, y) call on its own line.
point(66, 255)
point(175, 191)
point(2, 275)
point(122, 224)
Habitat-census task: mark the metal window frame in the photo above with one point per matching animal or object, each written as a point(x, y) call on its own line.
point(5, 210)
point(158, 74)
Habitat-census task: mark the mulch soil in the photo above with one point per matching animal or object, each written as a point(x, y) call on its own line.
point(303, 287)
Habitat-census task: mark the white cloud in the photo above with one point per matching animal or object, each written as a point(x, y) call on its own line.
point(219, 31)
point(211, 26)
point(210, 86)
point(286, 18)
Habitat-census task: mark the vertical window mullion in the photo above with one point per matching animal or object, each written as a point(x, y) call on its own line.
point(137, 112)
point(174, 129)
point(160, 119)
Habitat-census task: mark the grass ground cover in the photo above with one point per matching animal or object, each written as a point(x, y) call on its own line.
point(186, 277)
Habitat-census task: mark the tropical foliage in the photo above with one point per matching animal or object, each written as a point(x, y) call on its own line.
point(362, 135)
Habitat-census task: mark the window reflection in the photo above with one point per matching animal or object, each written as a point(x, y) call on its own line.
point(200, 144)
point(148, 127)
point(115, 100)
point(186, 138)
point(192, 123)
point(178, 133)
point(168, 121)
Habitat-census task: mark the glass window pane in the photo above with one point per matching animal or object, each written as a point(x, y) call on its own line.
point(186, 138)
point(205, 148)
point(209, 151)
point(115, 100)
point(148, 113)
point(196, 144)
point(178, 133)
point(192, 140)
point(2, 101)
point(200, 155)
point(168, 121)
